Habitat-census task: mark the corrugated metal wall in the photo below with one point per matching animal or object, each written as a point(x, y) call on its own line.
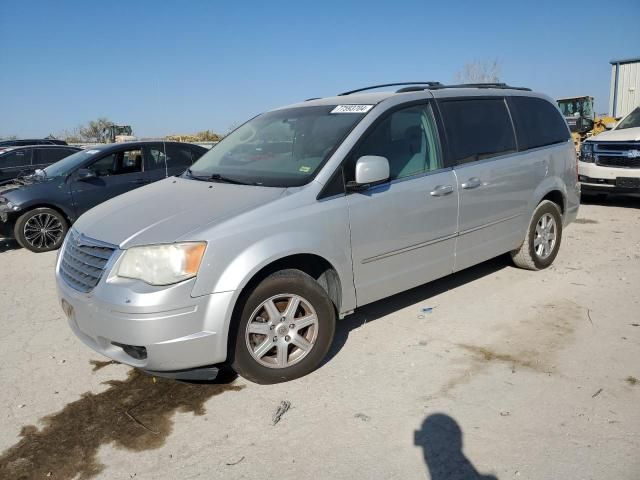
point(626, 96)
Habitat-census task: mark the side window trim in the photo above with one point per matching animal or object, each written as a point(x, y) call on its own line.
point(328, 191)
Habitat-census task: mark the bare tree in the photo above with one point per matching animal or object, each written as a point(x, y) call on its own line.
point(94, 130)
point(480, 71)
point(71, 136)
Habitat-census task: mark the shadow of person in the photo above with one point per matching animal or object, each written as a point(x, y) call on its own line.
point(441, 441)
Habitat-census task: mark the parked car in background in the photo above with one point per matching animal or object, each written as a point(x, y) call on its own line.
point(31, 141)
point(39, 209)
point(308, 212)
point(610, 161)
point(16, 161)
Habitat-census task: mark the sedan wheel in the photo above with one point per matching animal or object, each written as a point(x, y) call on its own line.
point(41, 230)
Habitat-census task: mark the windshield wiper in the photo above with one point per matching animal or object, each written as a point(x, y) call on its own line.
point(216, 177)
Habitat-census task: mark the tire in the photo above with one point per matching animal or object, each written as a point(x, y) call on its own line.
point(271, 350)
point(52, 228)
point(528, 256)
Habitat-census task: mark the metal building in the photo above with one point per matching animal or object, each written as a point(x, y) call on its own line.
point(625, 86)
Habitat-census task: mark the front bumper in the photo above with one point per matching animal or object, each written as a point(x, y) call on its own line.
point(599, 178)
point(155, 329)
point(7, 222)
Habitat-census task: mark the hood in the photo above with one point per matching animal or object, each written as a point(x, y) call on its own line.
point(167, 210)
point(623, 135)
point(23, 189)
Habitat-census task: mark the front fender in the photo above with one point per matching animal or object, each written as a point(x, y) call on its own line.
point(257, 256)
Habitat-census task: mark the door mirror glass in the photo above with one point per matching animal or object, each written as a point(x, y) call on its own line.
point(85, 174)
point(370, 169)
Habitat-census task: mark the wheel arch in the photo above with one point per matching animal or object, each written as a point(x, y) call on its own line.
point(314, 265)
point(62, 211)
point(553, 189)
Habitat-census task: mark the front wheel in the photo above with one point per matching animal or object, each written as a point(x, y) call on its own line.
point(285, 329)
point(542, 241)
point(41, 230)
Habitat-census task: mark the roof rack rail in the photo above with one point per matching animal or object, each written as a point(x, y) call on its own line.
point(312, 98)
point(427, 84)
point(481, 85)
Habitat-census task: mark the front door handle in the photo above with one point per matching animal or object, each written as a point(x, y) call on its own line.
point(473, 182)
point(441, 190)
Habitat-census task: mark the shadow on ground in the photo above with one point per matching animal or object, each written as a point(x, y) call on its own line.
point(135, 414)
point(611, 200)
point(384, 307)
point(440, 438)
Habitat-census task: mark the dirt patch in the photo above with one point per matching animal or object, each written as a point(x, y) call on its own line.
point(585, 221)
point(529, 344)
point(135, 414)
point(99, 364)
point(491, 356)
point(631, 380)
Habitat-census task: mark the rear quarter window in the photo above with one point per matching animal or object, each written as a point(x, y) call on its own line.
point(16, 158)
point(538, 122)
point(477, 128)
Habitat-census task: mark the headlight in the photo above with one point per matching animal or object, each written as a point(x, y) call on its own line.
point(586, 152)
point(162, 264)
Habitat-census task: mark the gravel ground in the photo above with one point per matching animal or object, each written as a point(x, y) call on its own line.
point(513, 374)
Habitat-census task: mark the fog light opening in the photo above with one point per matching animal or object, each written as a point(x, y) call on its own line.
point(135, 351)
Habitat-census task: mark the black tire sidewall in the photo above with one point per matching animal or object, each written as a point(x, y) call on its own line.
point(551, 208)
point(293, 282)
point(22, 220)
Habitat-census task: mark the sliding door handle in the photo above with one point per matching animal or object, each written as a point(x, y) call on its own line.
point(441, 190)
point(473, 182)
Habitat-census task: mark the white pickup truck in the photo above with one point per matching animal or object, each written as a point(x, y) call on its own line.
point(610, 161)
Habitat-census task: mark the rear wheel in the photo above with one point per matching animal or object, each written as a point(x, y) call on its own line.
point(542, 241)
point(285, 328)
point(41, 230)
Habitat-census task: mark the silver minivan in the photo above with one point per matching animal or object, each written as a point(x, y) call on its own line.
point(309, 211)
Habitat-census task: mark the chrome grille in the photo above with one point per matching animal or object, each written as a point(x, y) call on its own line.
point(83, 261)
point(620, 155)
point(618, 161)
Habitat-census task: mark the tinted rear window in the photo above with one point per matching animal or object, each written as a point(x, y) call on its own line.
point(477, 128)
point(16, 158)
point(52, 155)
point(179, 155)
point(538, 122)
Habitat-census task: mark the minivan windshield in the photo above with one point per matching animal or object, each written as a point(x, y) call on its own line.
point(631, 121)
point(282, 148)
point(68, 164)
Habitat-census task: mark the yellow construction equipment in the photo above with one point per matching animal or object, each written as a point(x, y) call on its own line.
point(582, 121)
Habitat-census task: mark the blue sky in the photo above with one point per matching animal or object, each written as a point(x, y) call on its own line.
point(179, 67)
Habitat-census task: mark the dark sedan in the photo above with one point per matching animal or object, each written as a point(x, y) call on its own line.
point(16, 161)
point(37, 210)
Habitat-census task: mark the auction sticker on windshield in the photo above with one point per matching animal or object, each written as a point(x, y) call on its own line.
point(352, 109)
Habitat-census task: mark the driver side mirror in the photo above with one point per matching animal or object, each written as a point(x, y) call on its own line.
point(370, 170)
point(86, 174)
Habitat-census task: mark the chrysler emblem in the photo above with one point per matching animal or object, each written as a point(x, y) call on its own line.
point(633, 154)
